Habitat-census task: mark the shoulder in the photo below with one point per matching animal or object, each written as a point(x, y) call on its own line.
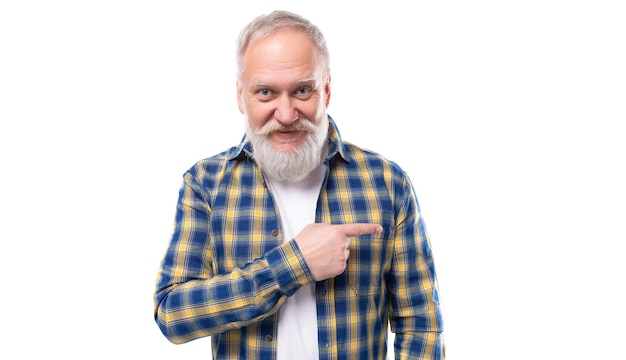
point(371, 161)
point(208, 171)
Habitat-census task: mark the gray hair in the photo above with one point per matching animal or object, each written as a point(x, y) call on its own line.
point(264, 25)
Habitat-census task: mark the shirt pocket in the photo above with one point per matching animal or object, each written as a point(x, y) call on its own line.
point(369, 261)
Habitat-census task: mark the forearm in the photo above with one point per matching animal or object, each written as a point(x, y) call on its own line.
point(419, 346)
point(201, 307)
point(415, 315)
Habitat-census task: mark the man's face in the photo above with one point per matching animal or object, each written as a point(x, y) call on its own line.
point(282, 84)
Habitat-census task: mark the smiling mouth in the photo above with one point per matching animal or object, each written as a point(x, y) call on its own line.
point(288, 137)
point(287, 133)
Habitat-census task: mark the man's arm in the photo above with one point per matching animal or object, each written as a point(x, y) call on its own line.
point(191, 302)
point(415, 314)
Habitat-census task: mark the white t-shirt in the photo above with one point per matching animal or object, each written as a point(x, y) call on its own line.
point(297, 325)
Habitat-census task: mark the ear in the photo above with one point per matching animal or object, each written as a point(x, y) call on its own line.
point(240, 100)
point(327, 91)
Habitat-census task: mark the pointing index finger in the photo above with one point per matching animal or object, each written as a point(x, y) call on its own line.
point(361, 229)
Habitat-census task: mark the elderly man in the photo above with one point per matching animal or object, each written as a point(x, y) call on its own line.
point(296, 244)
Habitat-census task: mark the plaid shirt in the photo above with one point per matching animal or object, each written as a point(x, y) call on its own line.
point(227, 271)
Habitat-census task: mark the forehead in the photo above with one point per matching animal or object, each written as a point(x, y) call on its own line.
point(287, 54)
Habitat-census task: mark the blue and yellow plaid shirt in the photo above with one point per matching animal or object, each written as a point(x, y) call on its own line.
point(227, 271)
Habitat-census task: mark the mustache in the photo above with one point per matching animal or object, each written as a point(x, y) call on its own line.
point(275, 126)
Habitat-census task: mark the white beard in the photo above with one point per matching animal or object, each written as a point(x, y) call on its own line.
point(293, 165)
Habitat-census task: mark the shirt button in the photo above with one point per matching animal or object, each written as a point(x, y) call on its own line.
point(274, 232)
point(268, 337)
point(326, 345)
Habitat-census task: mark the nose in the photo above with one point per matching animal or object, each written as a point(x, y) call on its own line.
point(285, 111)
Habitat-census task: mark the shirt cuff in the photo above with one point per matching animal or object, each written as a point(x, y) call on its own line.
point(289, 268)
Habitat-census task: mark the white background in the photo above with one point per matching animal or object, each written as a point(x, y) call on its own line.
point(508, 116)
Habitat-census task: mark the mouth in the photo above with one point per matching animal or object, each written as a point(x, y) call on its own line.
point(288, 132)
point(287, 141)
point(287, 135)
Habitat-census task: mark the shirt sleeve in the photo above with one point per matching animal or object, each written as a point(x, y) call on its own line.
point(415, 315)
point(191, 302)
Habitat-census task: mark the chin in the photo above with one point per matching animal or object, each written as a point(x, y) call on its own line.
point(286, 148)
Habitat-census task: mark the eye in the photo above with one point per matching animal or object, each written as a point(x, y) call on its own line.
point(304, 92)
point(264, 92)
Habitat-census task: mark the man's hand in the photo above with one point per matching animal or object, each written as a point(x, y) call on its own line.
point(326, 247)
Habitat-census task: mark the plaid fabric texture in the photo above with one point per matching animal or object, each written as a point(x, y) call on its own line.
point(227, 270)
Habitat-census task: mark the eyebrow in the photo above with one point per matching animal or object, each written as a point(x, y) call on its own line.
point(303, 81)
point(299, 82)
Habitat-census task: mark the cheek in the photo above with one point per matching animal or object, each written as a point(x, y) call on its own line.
point(258, 115)
point(312, 109)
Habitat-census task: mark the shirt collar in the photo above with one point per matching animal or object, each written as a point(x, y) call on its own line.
point(336, 145)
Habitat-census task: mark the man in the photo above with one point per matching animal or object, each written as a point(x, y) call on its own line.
point(295, 244)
